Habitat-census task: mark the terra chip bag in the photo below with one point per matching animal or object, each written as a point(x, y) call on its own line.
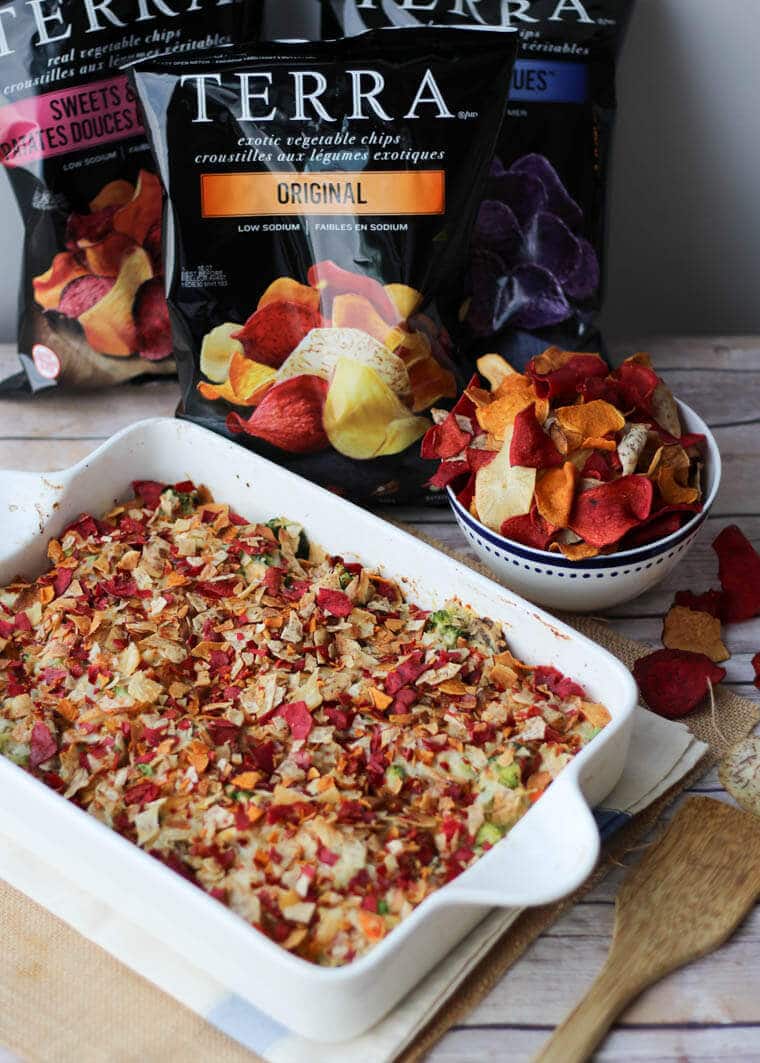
point(91, 310)
point(536, 257)
point(321, 200)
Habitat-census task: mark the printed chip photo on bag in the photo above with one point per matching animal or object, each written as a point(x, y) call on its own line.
point(92, 310)
point(321, 199)
point(535, 275)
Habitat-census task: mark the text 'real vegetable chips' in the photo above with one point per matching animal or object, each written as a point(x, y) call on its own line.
point(536, 261)
point(92, 310)
point(321, 199)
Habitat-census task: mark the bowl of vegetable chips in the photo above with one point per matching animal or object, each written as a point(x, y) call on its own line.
point(580, 487)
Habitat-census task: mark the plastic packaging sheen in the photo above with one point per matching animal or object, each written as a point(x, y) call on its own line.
point(537, 257)
point(321, 199)
point(91, 308)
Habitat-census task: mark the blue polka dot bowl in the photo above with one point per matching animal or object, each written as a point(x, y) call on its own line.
point(599, 583)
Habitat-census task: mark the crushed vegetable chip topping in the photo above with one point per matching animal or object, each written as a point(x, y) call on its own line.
point(279, 726)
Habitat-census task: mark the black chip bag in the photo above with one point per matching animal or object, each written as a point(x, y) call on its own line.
point(321, 200)
point(91, 306)
point(537, 252)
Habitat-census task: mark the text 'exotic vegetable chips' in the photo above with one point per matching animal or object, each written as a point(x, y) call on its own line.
point(535, 265)
point(321, 199)
point(92, 310)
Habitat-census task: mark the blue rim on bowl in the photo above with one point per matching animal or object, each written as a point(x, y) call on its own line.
point(714, 467)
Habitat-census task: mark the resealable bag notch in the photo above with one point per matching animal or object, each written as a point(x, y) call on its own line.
point(322, 198)
point(537, 257)
point(91, 308)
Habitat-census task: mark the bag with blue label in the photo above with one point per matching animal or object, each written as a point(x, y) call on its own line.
point(535, 274)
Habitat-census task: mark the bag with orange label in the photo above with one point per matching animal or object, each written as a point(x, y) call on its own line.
point(322, 198)
point(92, 310)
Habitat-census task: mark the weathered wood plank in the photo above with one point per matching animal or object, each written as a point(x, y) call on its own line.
point(552, 976)
point(513, 1045)
point(738, 353)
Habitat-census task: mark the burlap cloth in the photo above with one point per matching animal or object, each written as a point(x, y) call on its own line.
point(64, 999)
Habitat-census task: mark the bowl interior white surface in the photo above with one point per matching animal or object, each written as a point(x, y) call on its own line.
point(547, 855)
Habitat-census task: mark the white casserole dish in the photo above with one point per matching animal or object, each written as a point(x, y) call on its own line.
point(547, 855)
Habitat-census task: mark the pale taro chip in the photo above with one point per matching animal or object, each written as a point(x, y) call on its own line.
point(558, 199)
point(552, 246)
point(538, 299)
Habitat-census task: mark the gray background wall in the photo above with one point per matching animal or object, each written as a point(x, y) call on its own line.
point(685, 224)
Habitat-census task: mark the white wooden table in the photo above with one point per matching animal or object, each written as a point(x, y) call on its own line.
point(708, 1011)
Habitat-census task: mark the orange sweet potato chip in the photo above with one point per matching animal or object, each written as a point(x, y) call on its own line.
point(599, 443)
point(355, 311)
point(672, 477)
point(287, 290)
point(48, 286)
point(414, 347)
point(576, 551)
point(514, 394)
point(430, 382)
point(104, 258)
point(589, 420)
point(555, 494)
point(697, 632)
point(246, 385)
point(114, 194)
point(249, 379)
point(109, 325)
point(137, 217)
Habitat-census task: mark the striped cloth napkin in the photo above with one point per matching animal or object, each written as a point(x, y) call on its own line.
point(661, 754)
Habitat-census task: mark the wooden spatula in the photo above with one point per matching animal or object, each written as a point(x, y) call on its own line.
point(685, 898)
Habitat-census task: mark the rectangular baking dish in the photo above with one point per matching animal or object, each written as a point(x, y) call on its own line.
point(547, 855)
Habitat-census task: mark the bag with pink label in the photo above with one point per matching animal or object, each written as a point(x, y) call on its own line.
point(92, 310)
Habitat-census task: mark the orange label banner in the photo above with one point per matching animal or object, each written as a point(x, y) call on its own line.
point(247, 195)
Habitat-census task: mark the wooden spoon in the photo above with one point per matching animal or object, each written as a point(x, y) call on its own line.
point(685, 898)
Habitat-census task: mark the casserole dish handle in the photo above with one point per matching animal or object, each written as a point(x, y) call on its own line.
point(541, 860)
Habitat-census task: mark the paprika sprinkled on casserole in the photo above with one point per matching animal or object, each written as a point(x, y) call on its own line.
point(279, 726)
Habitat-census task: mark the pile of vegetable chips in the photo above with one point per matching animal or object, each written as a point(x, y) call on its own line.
point(568, 456)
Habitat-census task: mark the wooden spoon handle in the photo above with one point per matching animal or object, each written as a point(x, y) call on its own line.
point(586, 1026)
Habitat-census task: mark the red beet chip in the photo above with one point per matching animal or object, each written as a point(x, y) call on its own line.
point(407, 672)
point(599, 467)
point(530, 529)
point(651, 531)
point(636, 384)
point(603, 515)
point(43, 745)
point(149, 491)
point(557, 682)
point(335, 602)
point(151, 314)
point(712, 602)
point(478, 458)
point(298, 718)
point(448, 472)
point(756, 666)
point(445, 440)
point(62, 581)
point(531, 447)
point(564, 383)
point(82, 293)
point(739, 571)
point(152, 244)
point(274, 331)
point(83, 230)
point(674, 682)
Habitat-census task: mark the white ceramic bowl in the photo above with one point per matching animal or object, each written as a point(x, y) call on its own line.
point(547, 855)
point(599, 583)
